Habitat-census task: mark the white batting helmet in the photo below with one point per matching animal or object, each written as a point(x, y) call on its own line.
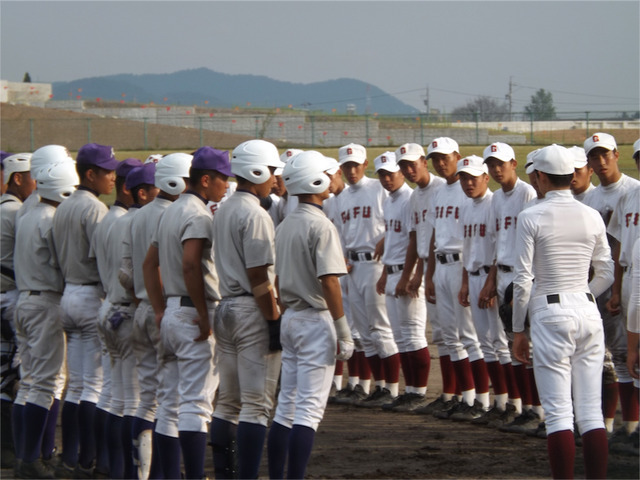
point(285, 156)
point(58, 181)
point(48, 155)
point(171, 171)
point(305, 173)
point(20, 162)
point(251, 160)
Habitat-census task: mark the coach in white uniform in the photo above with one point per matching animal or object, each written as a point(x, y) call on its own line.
point(566, 327)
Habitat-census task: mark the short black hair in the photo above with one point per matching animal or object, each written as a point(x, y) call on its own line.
point(560, 180)
point(196, 174)
point(82, 170)
point(137, 188)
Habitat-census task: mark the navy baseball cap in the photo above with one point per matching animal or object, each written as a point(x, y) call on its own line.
point(3, 155)
point(99, 155)
point(208, 158)
point(142, 175)
point(126, 165)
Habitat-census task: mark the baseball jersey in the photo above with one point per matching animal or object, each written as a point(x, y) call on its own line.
point(397, 221)
point(579, 243)
point(74, 223)
point(633, 311)
point(31, 201)
point(100, 246)
point(9, 206)
point(243, 235)
point(116, 250)
point(213, 206)
point(137, 242)
point(186, 218)
point(580, 197)
point(506, 206)
point(286, 205)
point(624, 225)
point(35, 252)
point(444, 216)
point(361, 216)
point(478, 236)
point(307, 247)
point(421, 204)
point(605, 198)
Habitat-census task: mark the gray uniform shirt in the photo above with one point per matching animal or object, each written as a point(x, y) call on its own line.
point(73, 226)
point(186, 218)
point(36, 253)
point(99, 248)
point(116, 293)
point(307, 248)
point(244, 238)
point(9, 206)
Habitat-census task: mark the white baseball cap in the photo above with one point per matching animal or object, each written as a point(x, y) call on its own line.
point(529, 167)
point(443, 145)
point(410, 152)
point(473, 165)
point(579, 157)
point(499, 150)
point(554, 160)
point(153, 158)
point(600, 139)
point(386, 161)
point(285, 157)
point(352, 153)
point(334, 169)
point(20, 162)
point(636, 148)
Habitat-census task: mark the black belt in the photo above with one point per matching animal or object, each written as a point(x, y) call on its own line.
point(34, 293)
point(505, 268)
point(447, 257)
point(93, 284)
point(394, 268)
point(186, 302)
point(360, 256)
point(484, 269)
point(8, 272)
point(123, 304)
point(555, 298)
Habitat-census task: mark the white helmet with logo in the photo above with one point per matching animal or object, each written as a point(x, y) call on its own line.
point(305, 173)
point(20, 162)
point(171, 171)
point(58, 182)
point(251, 160)
point(48, 155)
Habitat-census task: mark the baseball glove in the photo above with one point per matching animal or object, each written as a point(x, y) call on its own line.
point(505, 310)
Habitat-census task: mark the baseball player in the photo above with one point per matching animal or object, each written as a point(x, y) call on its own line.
point(287, 203)
point(633, 318)
point(566, 327)
point(413, 164)
point(362, 233)
point(308, 266)
point(443, 282)
point(407, 313)
point(73, 226)
point(247, 324)
point(602, 156)
point(172, 172)
point(581, 184)
point(213, 206)
point(507, 203)
point(3, 155)
point(359, 373)
point(184, 243)
point(478, 253)
point(38, 316)
point(19, 185)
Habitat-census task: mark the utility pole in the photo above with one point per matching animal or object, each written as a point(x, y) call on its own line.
point(426, 102)
point(367, 109)
point(509, 96)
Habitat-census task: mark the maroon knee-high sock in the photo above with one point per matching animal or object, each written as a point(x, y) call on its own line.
point(339, 368)
point(512, 384)
point(405, 365)
point(522, 379)
point(449, 384)
point(595, 449)
point(535, 399)
point(464, 375)
point(363, 367)
point(497, 376)
point(353, 364)
point(391, 368)
point(480, 376)
point(420, 366)
point(628, 401)
point(376, 367)
point(561, 447)
point(609, 399)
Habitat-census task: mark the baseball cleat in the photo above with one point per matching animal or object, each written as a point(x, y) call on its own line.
point(379, 397)
point(400, 399)
point(523, 422)
point(491, 414)
point(350, 395)
point(464, 412)
point(35, 469)
point(447, 409)
point(62, 470)
point(432, 407)
point(540, 431)
point(508, 415)
point(415, 401)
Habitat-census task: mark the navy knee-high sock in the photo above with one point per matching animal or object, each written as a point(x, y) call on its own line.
point(87, 434)
point(223, 445)
point(139, 425)
point(116, 452)
point(277, 449)
point(100, 422)
point(300, 445)
point(34, 422)
point(250, 444)
point(156, 466)
point(17, 420)
point(49, 435)
point(194, 446)
point(168, 454)
point(70, 439)
point(127, 447)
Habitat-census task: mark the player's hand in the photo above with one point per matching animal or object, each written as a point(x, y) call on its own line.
point(274, 335)
point(401, 287)
point(633, 363)
point(381, 284)
point(349, 266)
point(377, 253)
point(487, 297)
point(613, 304)
point(463, 296)
point(413, 287)
point(205, 329)
point(430, 291)
point(345, 342)
point(521, 347)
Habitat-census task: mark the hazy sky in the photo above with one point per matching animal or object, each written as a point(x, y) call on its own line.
point(585, 52)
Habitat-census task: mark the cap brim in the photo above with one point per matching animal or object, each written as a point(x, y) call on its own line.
point(409, 158)
point(359, 161)
point(476, 172)
point(530, 169)
point(110, 164)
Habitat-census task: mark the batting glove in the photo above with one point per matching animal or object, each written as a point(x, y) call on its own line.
point(345, 342)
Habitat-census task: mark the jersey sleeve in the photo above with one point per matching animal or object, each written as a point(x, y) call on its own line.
point(523, 280)
point(258, 241)
point(329, 259)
